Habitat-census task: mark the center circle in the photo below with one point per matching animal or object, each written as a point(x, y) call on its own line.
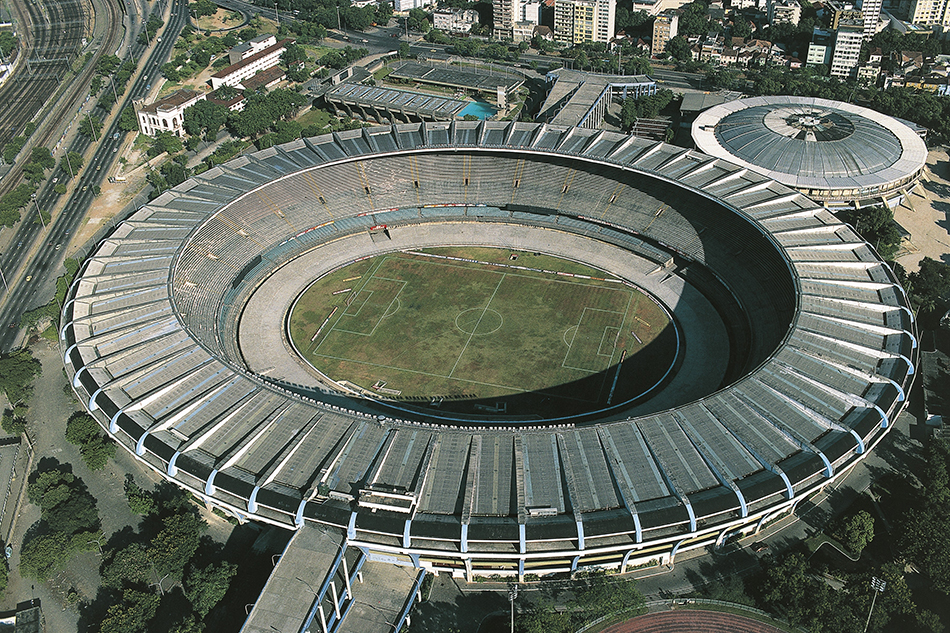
point(479, 321)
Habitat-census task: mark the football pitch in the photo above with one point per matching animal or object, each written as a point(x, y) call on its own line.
point(477, 325)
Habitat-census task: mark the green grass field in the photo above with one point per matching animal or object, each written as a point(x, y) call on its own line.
point(478, 333)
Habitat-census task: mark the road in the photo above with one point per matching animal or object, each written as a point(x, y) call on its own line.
point(43, 267)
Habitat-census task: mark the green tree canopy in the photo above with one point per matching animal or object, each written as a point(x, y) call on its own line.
point(856, 532)
point(174, 545)
point(43, 157)
point(205, 587)
point(876, 225)
point(132, 615)
point(17, 372)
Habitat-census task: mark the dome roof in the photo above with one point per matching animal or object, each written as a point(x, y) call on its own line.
point(812, 143)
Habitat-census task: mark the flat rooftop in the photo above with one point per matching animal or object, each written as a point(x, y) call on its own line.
point(473, 78)
point(397, 100)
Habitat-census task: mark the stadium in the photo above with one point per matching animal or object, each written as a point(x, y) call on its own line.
point(839, 154)
point(792, 344)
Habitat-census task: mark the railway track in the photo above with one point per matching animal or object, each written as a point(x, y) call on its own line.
point(56, 31)
point(43, 264)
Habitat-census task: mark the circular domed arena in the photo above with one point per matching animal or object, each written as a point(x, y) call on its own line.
point(491, 347)
point(838, 154)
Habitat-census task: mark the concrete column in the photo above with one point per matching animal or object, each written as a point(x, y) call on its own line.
point(336, 599)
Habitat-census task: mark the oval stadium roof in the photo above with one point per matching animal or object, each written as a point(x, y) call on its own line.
point(799, 346)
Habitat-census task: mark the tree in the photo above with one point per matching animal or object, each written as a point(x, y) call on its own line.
point(80, 428)
point(176, 543)
point(12, 423)
point(203, 7)
point(34, 172)
point(293, 54)
point(679, 48)
point(787, 588)
point(206, 586)
point(140, 501)
point(927, 286)
point(741, 28)
point(42, 156)
point(51, 488)
point(7, 43)
point(637, 66)
point(419, 20)
point(129, 565)
point(17, 372)
point(127, 122)
point(90, 127)
point(876, 225)
point(76, 161)
point(76, 514)
point(189, 625)
point(206, 117)
point(165, 142)
point(97, 452)
point(856, 532)
point(44, 554)
point(599, 596)
point(132, 615)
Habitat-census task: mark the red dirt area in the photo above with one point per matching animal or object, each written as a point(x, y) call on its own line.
point(691, 621)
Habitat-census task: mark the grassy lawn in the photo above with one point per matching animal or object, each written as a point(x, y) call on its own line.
point(315, 52)
point(415, 326)
point(382, 73)
point(314, 116)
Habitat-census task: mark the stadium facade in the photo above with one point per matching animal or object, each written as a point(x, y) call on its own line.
point(799, 346)
point(839, 154)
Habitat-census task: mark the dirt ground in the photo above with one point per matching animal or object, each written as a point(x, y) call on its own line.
point(51, 405)
point(924, 214)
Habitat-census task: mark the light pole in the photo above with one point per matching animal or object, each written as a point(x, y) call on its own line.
point(92, 127)
point(877, 585)
point(5, 286)
point(38, 212)
point(512, 596)
point(69, 164)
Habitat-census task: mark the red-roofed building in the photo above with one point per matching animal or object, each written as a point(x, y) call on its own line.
point(235, 74)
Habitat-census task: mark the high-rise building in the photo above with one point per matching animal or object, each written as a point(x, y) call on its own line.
point(582, 21)
point(505, 13)
point(664, 29)
point(848, 40)
point(930, 12)
point(872, 15)
point(820, 48)
point(785, 11)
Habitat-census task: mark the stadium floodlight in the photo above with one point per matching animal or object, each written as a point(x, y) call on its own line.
point(512, 596)
point(877, 585)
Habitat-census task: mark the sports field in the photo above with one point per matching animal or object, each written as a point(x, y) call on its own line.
point(484, 330)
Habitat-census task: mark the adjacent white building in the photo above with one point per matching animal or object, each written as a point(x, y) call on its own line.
point(930, 12)
point(847, 51)
point(234, 74)
point(165, 115)
point(583, 21)
point(250, 47)
point(664, 29)
point(784, 11)
point(455, 20)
